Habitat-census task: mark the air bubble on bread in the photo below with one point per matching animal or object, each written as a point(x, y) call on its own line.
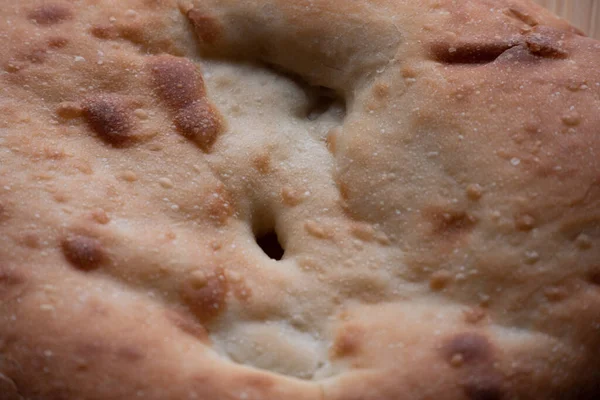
point(177, 81)
point(83, 252)
point(473, 347)
point(318, 230)
point(179, 84)
point(474, 191)
point(205, 293)
point(108, 117)
point(69, 110)
point(451, 223)
point(571, 118)
point(473, 356)
point(292, 197)
point(525, 222)
point(199, 121)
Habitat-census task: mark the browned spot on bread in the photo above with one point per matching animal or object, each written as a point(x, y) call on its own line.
point(381, 91)
point(187, 325)
point(179, 84)
point(104, 31)
point(100, 216)
point(258, 383)
point(474, 191)
point(69, 110)
point(31, 240)
point(450, 223)
point(439, 280)
point(201, 122)
point(473, 348)
point(9, 278)
point(108, 118)
point(83, 252)
point(50, 14)
point(473, 356)
point(205, 294)
point(57, 42)
point(348, 341)
point(133, 33)
point(177, 81)
point(546, 42)
point(220, 205)
point(262, 163)
point(206, 27)
point(524, 222)
point(344, 190)
point(331, 139)
point(11, 281)
point(474, 315)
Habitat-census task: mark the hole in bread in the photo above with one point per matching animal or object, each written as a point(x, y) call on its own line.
point(469, 53)
point(321, 100)
point(269, 243)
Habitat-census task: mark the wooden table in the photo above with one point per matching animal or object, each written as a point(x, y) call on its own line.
point(584, 14)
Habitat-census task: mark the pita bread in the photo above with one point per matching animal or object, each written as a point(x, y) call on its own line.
point(299, 200)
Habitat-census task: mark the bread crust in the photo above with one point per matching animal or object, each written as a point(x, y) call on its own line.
point(429, 169)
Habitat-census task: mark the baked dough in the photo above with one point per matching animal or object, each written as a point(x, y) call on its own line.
point(430, 169)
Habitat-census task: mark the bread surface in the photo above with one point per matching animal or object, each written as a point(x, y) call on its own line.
point(298, 200)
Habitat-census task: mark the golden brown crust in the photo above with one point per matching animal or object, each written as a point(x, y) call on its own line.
point(332, 200)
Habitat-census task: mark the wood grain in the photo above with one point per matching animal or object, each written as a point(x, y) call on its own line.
point(585, 14)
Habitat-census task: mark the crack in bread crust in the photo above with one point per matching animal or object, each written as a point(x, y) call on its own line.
point(428, 170)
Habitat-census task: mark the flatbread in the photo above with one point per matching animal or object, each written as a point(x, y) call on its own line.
point(299, 200)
